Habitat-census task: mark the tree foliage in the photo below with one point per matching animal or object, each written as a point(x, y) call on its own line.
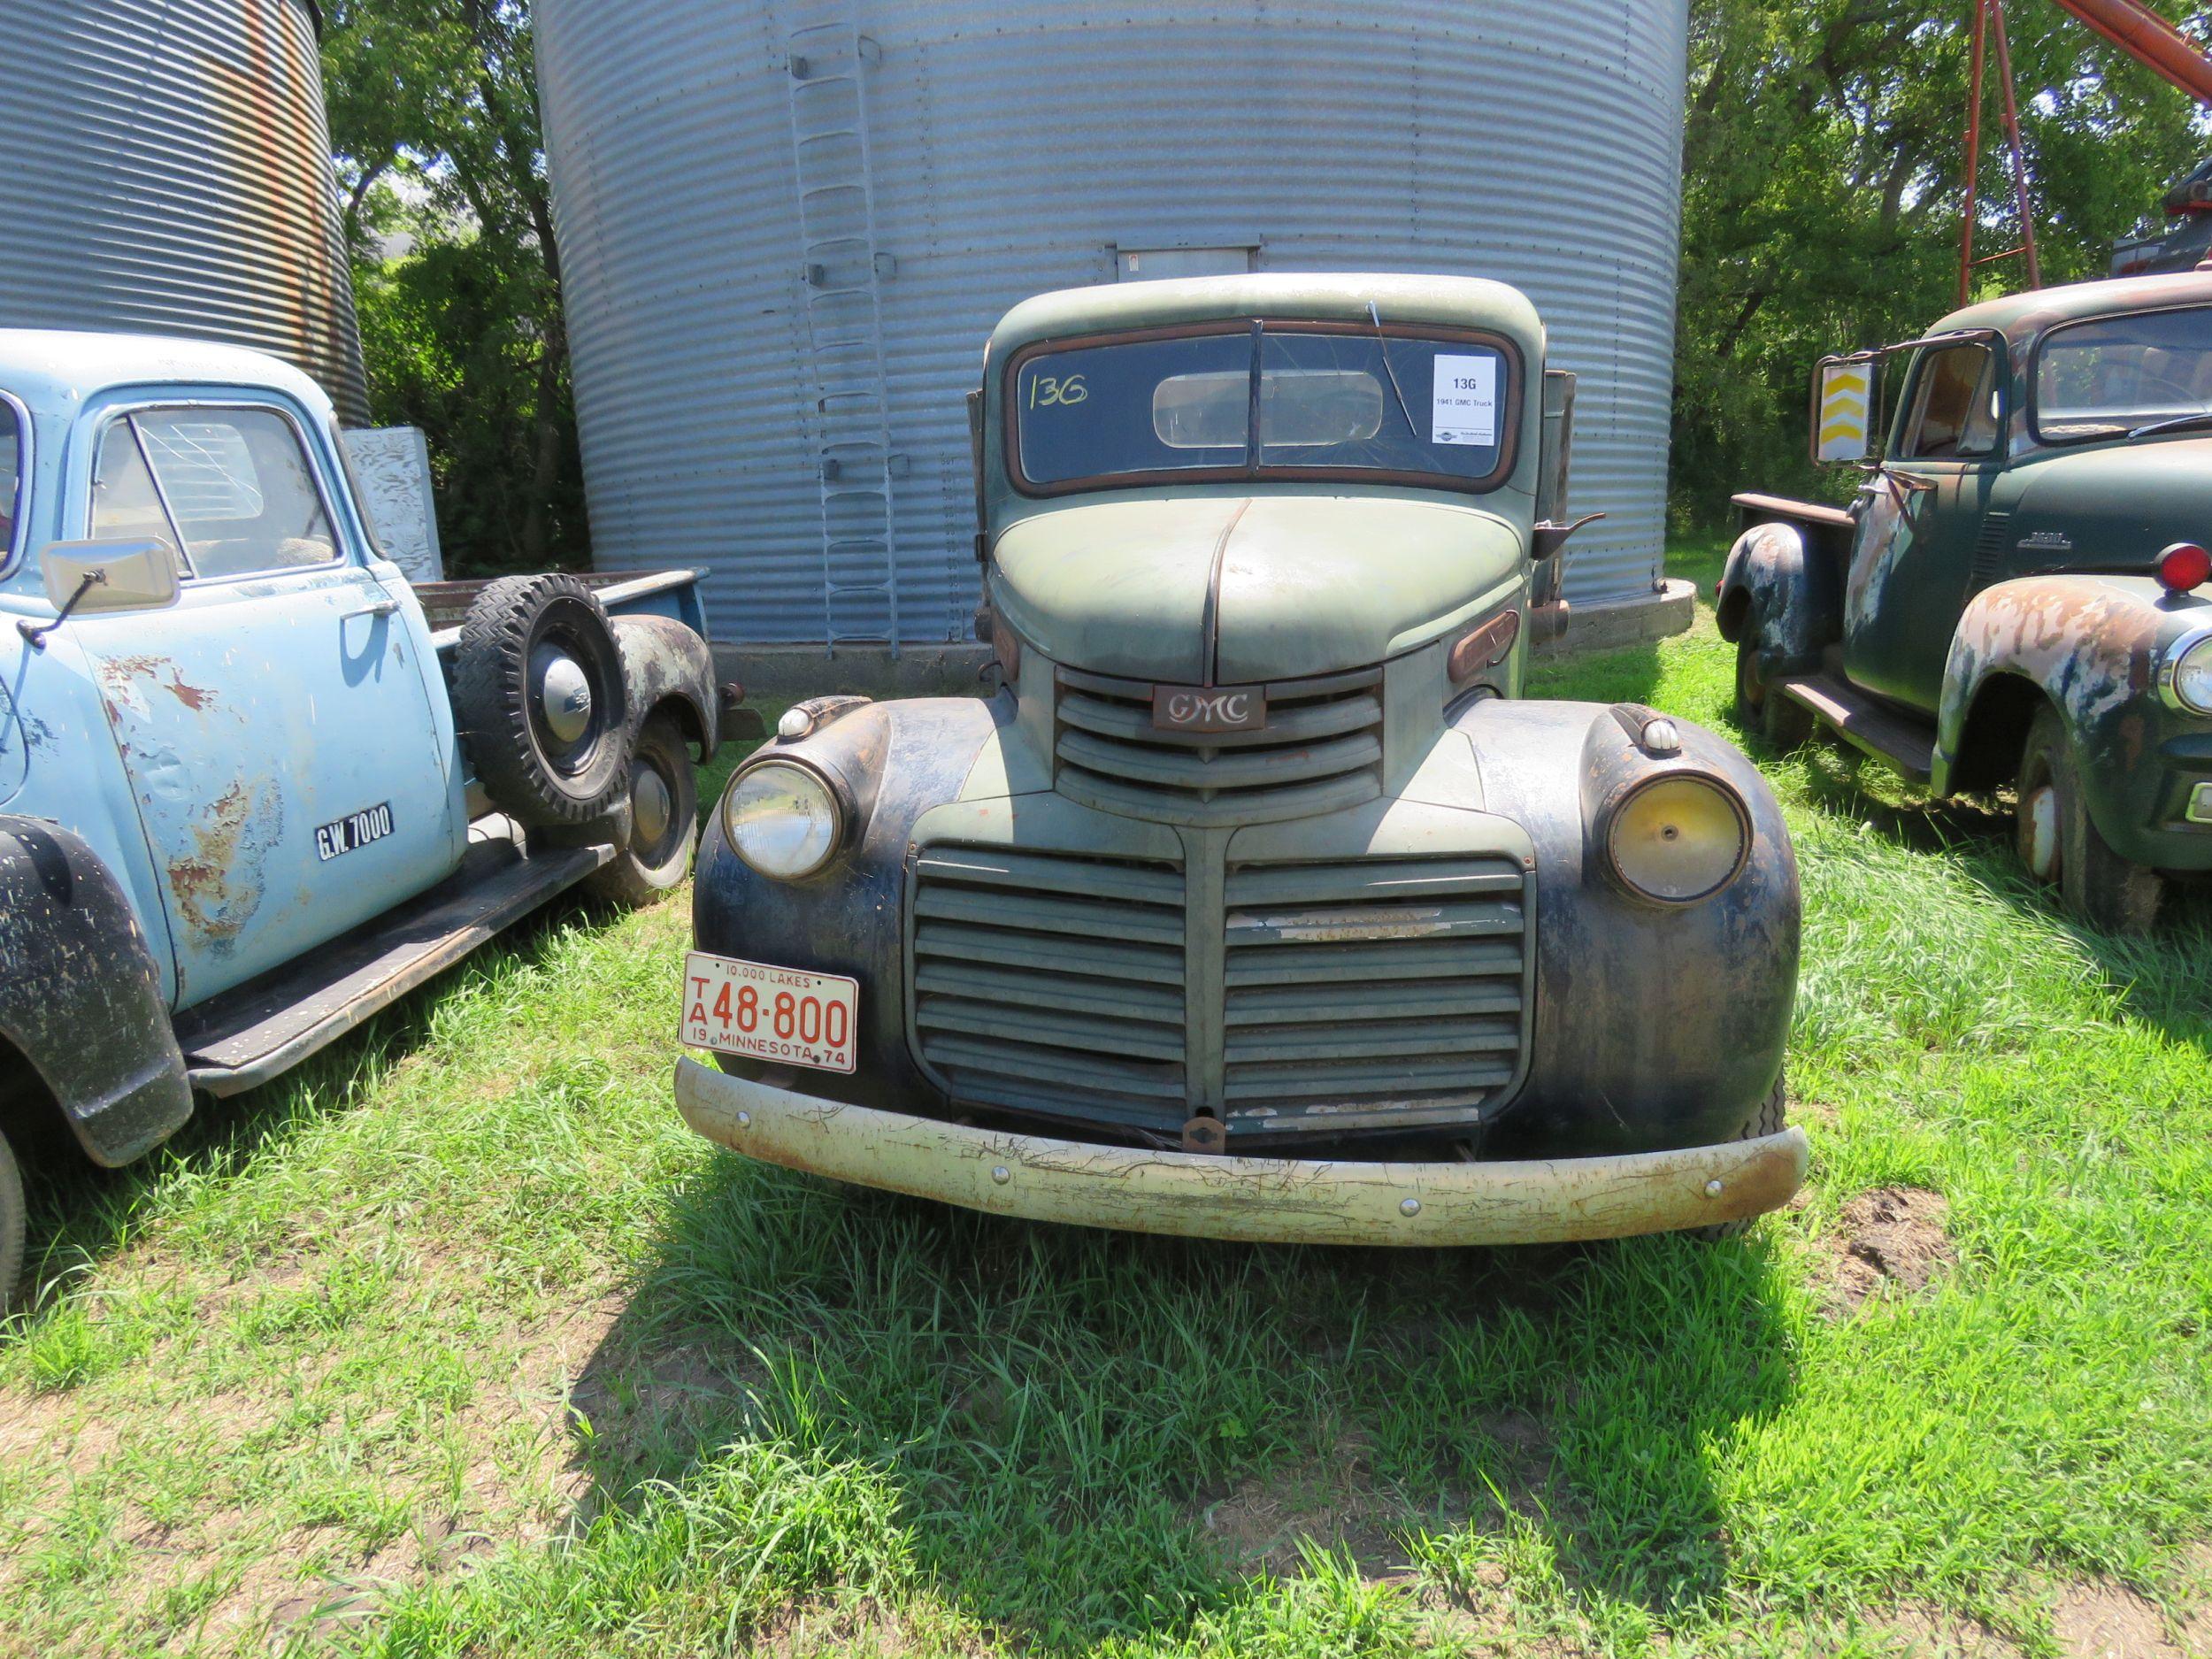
point(433, 120)
point(1824, 190)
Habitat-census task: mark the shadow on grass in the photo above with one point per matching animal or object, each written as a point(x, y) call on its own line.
point(1093, 1432)
point(81, 1214)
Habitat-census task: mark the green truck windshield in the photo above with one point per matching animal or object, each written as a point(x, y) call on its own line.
point(2098, 379)
point(1396, 406)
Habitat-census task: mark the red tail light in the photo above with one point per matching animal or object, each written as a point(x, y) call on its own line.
point(2184, 566)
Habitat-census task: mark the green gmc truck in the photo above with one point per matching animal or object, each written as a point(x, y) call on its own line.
point(2018, 597)
point(1256, 903)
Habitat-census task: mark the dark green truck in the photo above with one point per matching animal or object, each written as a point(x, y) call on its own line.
point(1256, 903)
point(2018, 597)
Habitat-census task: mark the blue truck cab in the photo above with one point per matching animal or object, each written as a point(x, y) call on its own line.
point(250, 789)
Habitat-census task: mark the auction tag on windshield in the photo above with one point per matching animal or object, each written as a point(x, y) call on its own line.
point(1465, 400)
point(786, 1015)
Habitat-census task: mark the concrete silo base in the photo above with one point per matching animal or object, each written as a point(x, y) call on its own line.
point(787, 673)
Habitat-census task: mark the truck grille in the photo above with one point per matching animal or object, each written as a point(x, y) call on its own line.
point(1381, 991)
point(1051, 983)
point(1366, 994)
point(1320, 750)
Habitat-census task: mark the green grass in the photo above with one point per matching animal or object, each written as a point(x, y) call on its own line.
point(456, 1342)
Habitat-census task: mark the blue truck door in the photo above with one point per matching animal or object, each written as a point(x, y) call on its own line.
point(276, 724)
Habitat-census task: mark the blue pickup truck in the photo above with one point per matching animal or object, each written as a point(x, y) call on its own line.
point(251, 791)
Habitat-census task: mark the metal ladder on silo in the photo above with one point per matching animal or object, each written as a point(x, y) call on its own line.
point(839, 273)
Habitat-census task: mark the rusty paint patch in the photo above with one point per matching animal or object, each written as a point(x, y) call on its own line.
point(121, 677)
point(217, 885)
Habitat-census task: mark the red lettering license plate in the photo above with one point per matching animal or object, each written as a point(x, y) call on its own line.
point(785, 1015)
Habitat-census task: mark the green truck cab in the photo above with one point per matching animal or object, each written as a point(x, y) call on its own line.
point(2017, 596)
point(1253, 903)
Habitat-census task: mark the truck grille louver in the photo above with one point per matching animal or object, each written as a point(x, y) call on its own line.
point(1389, 993)
point(1053, 984)
point(1320, 750)
point(1386, 991)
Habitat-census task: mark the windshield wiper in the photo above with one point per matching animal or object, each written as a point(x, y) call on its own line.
point(1382, 344)
point(2179, 423)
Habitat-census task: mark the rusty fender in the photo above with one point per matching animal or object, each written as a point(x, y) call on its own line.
point(1275, 1200)
point(80, 1000)
point(664, 661)
point(2091, 646)
point(1779, 588)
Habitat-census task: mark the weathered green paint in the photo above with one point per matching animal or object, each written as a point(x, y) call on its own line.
point(1309, 583)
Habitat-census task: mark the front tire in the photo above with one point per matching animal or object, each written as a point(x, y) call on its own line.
point(2060, 844)
point(1784, 723)
point(11, 1223)
point(664, 817)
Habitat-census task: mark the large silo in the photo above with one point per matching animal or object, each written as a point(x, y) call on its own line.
point(787, 229)
point(164, 168)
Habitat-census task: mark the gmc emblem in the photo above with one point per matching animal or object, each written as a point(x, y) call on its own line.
point(1209, 708)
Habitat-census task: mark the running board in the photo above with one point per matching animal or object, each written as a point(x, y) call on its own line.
point(1864, 723)
point(241, 1039)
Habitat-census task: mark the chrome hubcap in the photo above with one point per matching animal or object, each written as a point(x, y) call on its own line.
point(650, 807)
point(2039, 813)
point(565, 693)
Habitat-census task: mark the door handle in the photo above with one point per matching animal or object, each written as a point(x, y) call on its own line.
point(379, 608)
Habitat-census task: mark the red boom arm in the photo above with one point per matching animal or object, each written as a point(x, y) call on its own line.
point(2150, 40)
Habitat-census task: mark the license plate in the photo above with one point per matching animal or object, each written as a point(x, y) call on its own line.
point(786, 1015)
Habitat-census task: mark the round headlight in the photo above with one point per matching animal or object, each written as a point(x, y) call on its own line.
point(2191, 673)
point(784, 819)
point(1678, 838)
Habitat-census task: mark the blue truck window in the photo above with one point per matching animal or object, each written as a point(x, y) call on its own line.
point(10, 481)
point(234, 483)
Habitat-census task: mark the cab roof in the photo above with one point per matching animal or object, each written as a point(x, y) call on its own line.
point(55, 370)
point(2022, 317)
point(1285, 296)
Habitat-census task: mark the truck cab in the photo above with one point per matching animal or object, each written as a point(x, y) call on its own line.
point(1253, 862)
point(2016, 596)
point(249, 794)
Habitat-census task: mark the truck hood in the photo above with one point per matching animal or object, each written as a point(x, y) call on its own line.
point(1305, 584)
point(2114, 505)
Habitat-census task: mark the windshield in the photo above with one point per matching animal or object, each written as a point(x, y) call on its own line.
point(1331, 403)
point(2103, 379)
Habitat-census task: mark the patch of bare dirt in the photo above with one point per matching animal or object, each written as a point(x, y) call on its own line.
point(1930, 1633)
point(2100, 1618)
point(1890, 1241)
point(1334, 1503)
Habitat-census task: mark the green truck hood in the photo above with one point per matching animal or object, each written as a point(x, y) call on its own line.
point(1307, 584)
point(2116, 503)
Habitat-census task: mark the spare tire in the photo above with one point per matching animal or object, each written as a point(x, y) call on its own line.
point(539, 695)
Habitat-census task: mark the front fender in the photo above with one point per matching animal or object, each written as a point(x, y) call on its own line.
point(81, 998)
point(663, 660)
point(2091, 645)
point(1779, 589)
point(893, 761)
point(1654, 1027)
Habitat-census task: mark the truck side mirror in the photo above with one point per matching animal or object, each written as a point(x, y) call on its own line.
point(88, 576)
point(1843, 407)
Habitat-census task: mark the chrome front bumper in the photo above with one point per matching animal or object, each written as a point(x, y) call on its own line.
point(1283, 1201)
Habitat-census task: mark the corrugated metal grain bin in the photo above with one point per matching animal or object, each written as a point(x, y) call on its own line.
point(164, 168)
point(785, 231)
